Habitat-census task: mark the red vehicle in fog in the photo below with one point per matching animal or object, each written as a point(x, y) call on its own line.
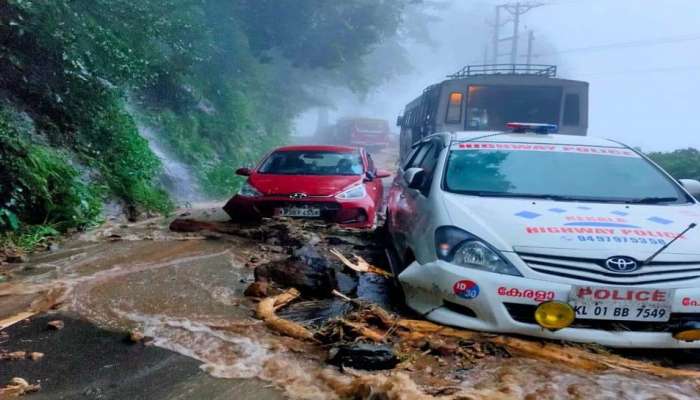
point(334, 183)
point(370, 133)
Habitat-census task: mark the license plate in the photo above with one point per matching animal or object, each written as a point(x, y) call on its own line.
point(621, 303)
point(309, 212)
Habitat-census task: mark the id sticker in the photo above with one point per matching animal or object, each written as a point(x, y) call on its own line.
point(466, 289)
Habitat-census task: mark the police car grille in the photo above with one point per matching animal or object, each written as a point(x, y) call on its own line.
point(591, 270)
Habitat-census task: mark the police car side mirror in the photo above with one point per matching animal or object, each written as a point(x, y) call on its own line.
point(399, 120)
point(692, 186)
point(414, 178)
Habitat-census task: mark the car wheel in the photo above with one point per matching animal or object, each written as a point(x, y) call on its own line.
point(396, 268)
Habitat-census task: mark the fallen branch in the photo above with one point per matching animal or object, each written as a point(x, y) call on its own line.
point(336, 293)
point(17, 387)
point(266, 311)
point(7, 322)
point(428, 328)
point(365, 331)
point(361, 266)
point(416, 330)
point(580, 358)
point(571, 356)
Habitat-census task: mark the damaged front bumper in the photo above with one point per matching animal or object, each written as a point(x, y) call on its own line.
point(356, 213)
point(473, 299)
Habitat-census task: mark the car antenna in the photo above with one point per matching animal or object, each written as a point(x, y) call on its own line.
point(664, 247)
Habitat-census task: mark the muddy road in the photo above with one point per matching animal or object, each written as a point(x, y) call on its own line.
point(185, 293)
point(151, 312)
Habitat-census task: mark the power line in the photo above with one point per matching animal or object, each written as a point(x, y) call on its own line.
point(622, 45)
point(644, 71)
point(515, 10)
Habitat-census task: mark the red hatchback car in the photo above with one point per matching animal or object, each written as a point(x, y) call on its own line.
point(334, 183)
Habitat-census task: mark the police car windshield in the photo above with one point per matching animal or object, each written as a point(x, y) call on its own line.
point(557, 172)
point(312, 163)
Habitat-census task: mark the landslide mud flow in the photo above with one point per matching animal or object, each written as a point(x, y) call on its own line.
point(184, 292)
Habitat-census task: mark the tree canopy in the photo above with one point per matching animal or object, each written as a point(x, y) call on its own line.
point(682, 163)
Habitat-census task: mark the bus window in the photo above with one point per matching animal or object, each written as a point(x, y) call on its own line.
point(491, 107)
point(571, 110)
point(454, 108)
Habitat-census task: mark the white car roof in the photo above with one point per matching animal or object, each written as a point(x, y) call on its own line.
point(491, 136)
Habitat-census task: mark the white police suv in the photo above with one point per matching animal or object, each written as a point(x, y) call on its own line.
point(562, 237)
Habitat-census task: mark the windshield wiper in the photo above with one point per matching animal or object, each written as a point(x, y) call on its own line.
point(652, 200)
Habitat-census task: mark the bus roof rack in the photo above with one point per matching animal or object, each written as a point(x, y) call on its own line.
point(549, 71)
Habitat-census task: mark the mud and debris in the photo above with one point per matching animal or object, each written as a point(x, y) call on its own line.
point(291, 308)
point(364, 356)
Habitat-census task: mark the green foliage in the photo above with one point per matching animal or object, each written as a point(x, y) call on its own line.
point(39, 185)
point(109, 140)
point(69, 92)
point(681, 164)
point(8, 220)
point(220, 81)
point(28, 238)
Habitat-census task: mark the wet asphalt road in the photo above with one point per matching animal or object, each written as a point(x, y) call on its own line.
point(82, 361)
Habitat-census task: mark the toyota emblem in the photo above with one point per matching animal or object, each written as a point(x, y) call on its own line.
point(622, 264)
point(298, 196)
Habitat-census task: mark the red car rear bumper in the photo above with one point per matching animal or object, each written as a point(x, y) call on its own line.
point(356, 213)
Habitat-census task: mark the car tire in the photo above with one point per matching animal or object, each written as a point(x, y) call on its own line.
point(396, 269)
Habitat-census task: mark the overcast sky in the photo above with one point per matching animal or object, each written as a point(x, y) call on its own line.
point(641, 57)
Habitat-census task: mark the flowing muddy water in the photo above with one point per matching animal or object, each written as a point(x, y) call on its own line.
point(186, 292)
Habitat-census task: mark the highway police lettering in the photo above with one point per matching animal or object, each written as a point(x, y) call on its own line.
point(601, 231)
point(611, 151)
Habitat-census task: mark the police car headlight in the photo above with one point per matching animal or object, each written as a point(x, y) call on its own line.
point(355, 192)
point(247, 190)
point(464, 249)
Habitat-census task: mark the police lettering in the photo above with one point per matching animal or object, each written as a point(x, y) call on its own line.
point(655, 296)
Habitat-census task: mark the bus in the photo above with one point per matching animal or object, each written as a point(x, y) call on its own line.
point(487, 97)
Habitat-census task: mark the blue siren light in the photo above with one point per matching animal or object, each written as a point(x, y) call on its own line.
point(524, 127)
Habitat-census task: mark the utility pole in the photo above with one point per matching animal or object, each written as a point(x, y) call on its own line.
point(496, 35)
point(515, 10)
point(530, 39)
point(516, 33)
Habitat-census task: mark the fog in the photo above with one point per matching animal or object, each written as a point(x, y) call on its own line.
point(640, 57)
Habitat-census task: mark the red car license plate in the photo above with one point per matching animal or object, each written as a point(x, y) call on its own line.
point(309, 212)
